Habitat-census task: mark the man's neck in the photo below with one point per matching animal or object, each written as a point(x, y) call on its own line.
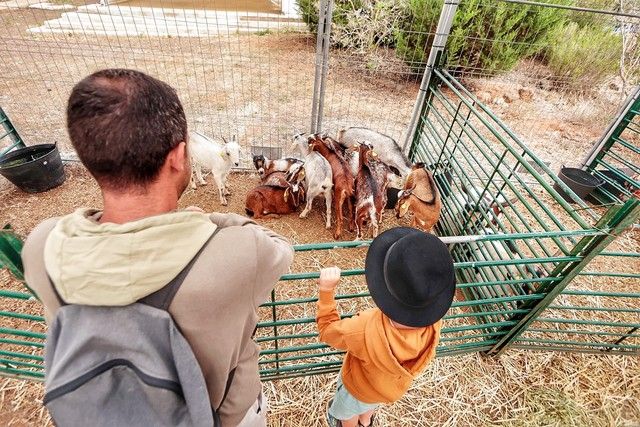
point(121, 207)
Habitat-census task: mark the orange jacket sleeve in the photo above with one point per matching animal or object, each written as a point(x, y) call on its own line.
point(346, 334)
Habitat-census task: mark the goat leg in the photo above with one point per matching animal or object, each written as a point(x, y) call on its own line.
point(220, 184)
point(374, 224)
point(199, 177)
point(338, 208)
point(351, 214)
point(307, 208)
point(327, 201)
point(227, 192)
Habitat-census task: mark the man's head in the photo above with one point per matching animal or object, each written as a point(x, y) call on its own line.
point(129, 130)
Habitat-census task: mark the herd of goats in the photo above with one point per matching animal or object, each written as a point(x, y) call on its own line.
point(353, 172)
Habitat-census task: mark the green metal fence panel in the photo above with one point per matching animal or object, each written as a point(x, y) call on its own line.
point(9, 137)
point(615, 159)
point(468, 147)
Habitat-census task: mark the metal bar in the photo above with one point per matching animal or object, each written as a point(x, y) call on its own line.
point(587, 322)
point(275, 326)
point(615, 129)
point(437, 47)
point(325, 63)
point(572, 331)
point(607, 309)
point(564, 349)
point(629, 334)
point(21, 342)
point(627, 145)
point(601, 294)
point(574, 8)
point(582, 344)
point(322, 11)
point(21, 316)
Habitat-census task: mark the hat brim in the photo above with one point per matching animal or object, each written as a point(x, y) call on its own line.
point(393, 308)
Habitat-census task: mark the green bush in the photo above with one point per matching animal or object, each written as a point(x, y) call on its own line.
point(357, 24)
point(581, 58)
point(487, 36)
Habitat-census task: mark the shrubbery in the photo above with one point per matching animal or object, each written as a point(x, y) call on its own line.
point(487, 36)
point(580, 58)
point(482, 35)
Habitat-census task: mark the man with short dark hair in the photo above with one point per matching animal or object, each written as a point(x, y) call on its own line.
point(130, 131)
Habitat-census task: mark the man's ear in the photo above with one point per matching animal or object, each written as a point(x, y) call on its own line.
point(178, 156)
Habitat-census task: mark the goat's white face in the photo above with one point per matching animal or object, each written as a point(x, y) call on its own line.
point(300, 141)
point(232, 151)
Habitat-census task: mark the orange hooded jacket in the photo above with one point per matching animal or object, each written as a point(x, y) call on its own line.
point(381, 360)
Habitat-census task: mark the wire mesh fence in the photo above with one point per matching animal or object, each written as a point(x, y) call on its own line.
point(243, 68)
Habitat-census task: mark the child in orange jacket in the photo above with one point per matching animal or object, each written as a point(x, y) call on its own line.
point(411, 280)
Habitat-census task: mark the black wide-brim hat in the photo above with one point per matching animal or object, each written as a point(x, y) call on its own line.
point(410, 276)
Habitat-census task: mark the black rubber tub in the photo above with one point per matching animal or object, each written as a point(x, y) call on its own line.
point(581, 182)
point(33, 169)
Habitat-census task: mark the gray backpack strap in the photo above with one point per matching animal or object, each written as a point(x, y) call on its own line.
point(163, 297)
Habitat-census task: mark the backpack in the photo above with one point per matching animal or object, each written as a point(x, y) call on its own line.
point(125, 366)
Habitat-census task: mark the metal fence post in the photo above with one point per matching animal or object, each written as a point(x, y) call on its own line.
point(613, 223)
point(325, 19)
point(437, 48)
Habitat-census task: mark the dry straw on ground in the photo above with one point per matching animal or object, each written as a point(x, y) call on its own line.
point(520, 388)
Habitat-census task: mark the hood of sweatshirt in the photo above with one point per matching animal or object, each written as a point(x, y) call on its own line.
point(95, 263)
point(401, 352)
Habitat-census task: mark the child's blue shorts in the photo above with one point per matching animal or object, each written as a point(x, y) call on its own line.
point(345, 406)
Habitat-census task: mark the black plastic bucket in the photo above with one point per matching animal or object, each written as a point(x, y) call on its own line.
point(33, 169)
point(581, 182)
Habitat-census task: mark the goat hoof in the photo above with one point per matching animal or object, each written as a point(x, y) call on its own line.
point(224, 203)
point(304, 214)
point(227, 192)
point(328, 226)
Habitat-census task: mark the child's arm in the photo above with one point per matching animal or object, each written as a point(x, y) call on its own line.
point(334, 331)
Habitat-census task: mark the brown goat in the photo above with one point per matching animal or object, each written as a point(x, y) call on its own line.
point(343, 180)
point(276, 196)
point(421, 196)
point(370, 193)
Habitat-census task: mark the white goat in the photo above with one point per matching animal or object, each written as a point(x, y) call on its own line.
point(219, 158)
point(387, 148)
point(469, 209)
point(318, 173)
point(503, 250)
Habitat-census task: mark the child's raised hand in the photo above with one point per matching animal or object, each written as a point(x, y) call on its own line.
point(329, 278)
